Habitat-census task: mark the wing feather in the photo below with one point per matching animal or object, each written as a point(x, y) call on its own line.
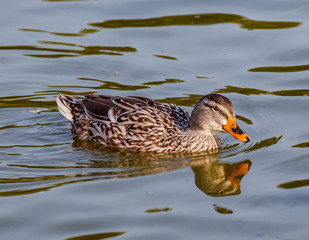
point(132, 110)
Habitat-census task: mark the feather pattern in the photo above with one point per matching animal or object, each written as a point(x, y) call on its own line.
point(136, 123)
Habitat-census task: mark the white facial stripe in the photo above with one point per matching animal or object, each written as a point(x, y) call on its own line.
point(223, 110)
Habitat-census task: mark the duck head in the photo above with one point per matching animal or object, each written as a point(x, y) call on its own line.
point(215, 112)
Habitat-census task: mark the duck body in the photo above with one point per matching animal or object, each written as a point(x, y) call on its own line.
point(142, 124)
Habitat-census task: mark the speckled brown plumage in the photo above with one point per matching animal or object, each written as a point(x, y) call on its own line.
point(142, 124)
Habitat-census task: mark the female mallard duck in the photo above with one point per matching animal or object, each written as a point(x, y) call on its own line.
point(142, 124)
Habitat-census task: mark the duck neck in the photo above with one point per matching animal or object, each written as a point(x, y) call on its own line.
point(194, 141)
point(200, 120)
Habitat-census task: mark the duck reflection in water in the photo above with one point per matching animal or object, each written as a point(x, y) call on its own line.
point(220, 179)
point(212, 177)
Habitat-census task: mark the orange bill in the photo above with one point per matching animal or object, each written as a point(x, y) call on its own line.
point(232, 128)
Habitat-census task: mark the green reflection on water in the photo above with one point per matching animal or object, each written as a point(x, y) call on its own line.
point(280, 69)
point(195, 20)
point(86, 50)
point(29, 189)
point(37, 100)
point(301, 145)
point(50, 55)
point(31, 146)
point(167, 80)
point(240, 90)
point(81, 33)
point(118, 86)
point(107, 85)
point(97, 236)
point(166, 57)
point(188, 100)
point(246, 120)
point(33, 101)
point(252, 146)
point(156, 210)
point(294, 184)
point(253, 91)
point(264, 143)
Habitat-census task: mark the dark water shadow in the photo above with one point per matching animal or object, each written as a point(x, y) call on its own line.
point(195, 20)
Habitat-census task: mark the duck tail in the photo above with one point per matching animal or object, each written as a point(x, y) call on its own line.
point(68, 106)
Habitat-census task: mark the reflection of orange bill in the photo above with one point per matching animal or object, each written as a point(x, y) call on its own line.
point(239, 170)
point(232, 128)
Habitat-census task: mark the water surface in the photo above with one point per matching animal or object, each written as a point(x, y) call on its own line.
point(54, 186)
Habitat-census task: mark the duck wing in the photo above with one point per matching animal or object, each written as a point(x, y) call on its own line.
point(111, 108)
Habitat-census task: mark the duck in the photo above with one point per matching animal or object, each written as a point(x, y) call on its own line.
point(143, 124)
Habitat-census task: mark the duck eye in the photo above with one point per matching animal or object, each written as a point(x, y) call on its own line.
point(216, 109)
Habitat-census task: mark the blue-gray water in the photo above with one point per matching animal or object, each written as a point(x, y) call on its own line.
point(256, 53)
